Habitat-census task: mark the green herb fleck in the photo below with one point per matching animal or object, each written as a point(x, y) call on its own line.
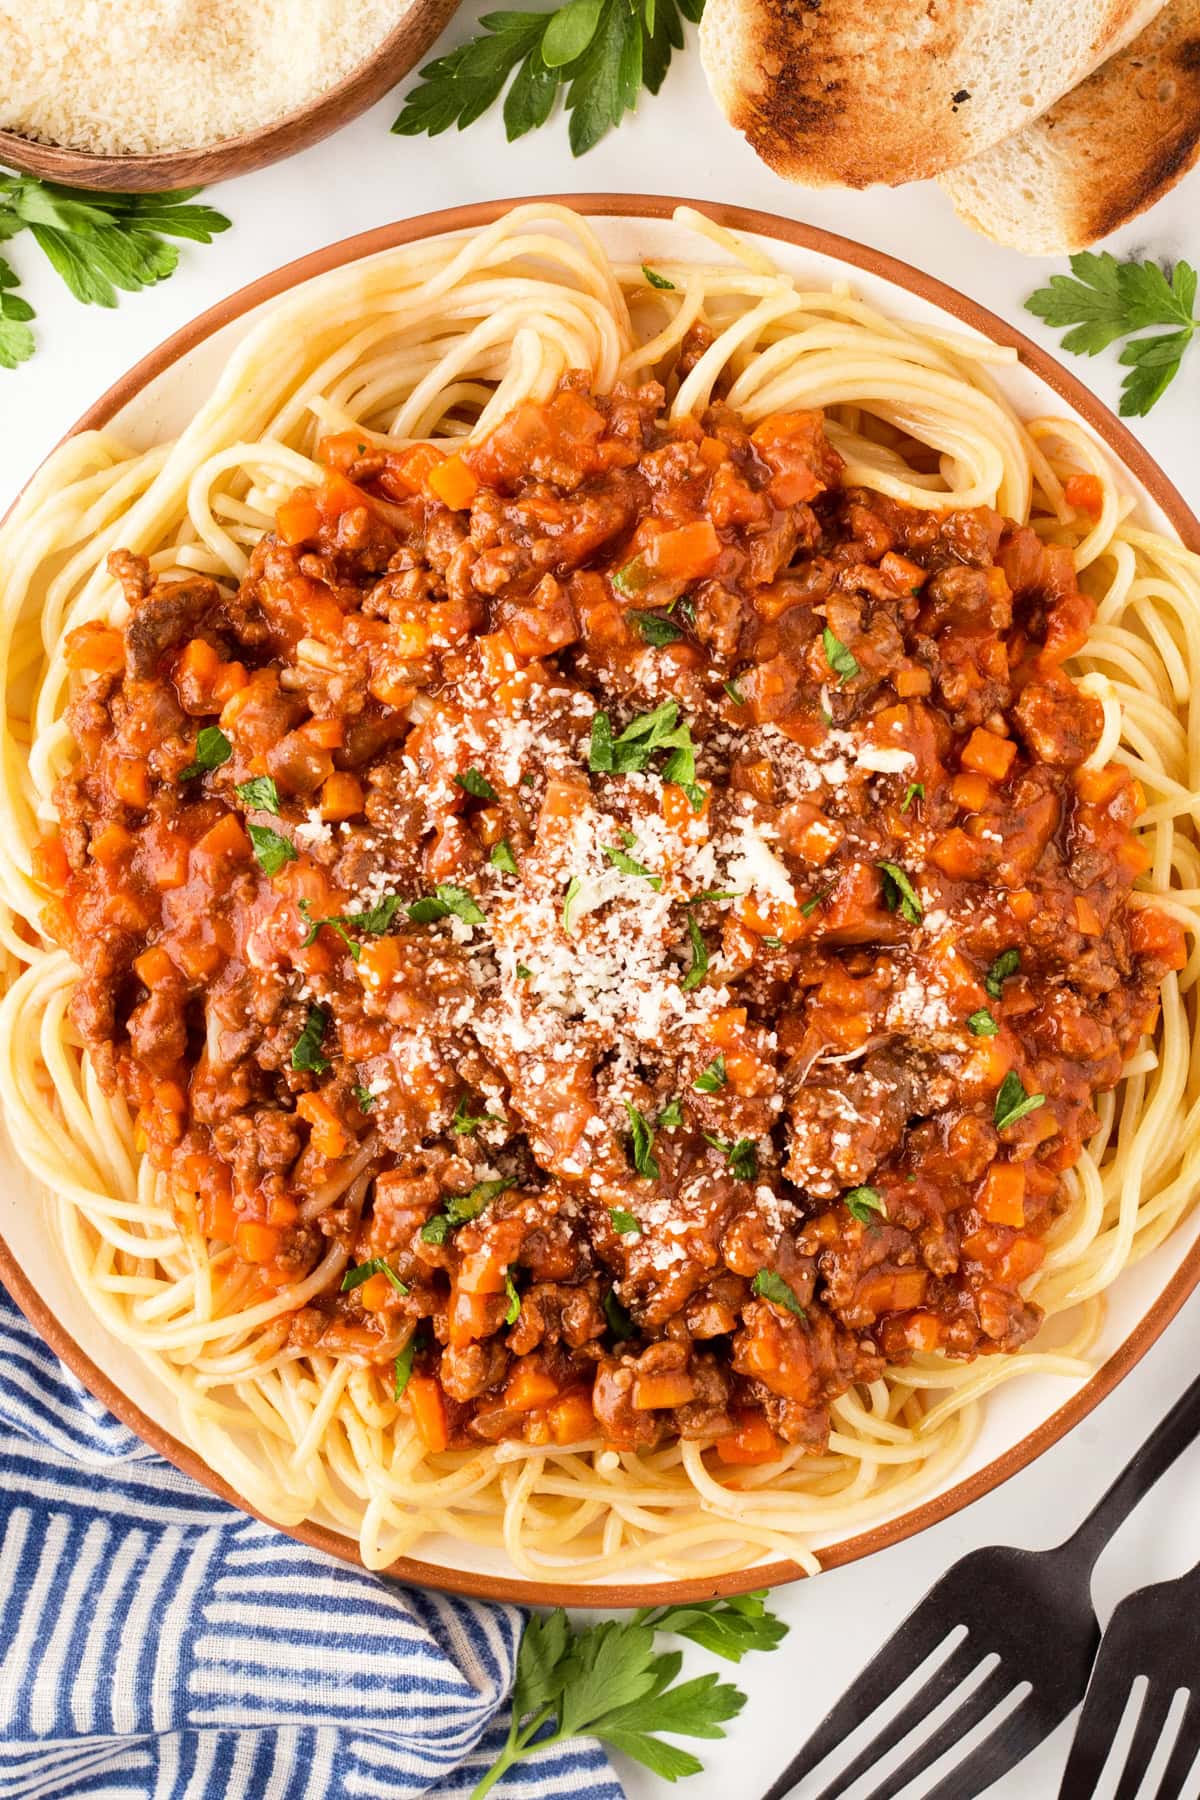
point(361, 1272)
point(306, 1051)
point(842, 661)
point(671, 1116)
point(445, 900)
point(655, 279)
point(364, 1097)
point(1013, 1103)
point(861, 1202)
point(271, 851)
point(512, 1311)
point(619, 1321)
point(714, 1077)
point(503, 858)
point(641, 1140)
point(982, 1024)
point(627, 866)
point(699, 964)
point(741, 1157)
point(403, 1368)
point(474, 783)
point(655, 629)
point(260, 792)
point(899, 893)
point(212, 749)
point(572, 893)
point(769, 1286)
point(1006, 964)
point(1103, 300)
point(466, 1123)
point(914, 791)
point(623, 1222)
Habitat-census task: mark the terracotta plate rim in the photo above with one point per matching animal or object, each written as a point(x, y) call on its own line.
point(1184, 522)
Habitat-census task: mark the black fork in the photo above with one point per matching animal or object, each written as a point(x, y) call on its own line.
point(1027, 1613)
point(1151, 1633)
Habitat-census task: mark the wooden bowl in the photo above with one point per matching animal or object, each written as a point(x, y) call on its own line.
point(400, 51)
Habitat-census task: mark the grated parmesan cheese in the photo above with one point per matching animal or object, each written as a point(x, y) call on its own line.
point(131, 77)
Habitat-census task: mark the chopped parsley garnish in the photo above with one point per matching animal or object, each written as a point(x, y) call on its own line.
point(814, 900)
point(619, 1321)
point(623, 1222)
point(260, 792)
point(446, 899)
point(699, 964)
point(769, 1286)
point(842, 661)
point(467, 1123)
point(271, 851)
point(773, 943)
point(914, 791)
point(403, 1368)
point(462, 1207)
point(646, 736)
point(620, 859)
point(641, 1141)
point(714, 1076)
point(1013, 1103)
point(365, 1098)
point(523, 974)
point(512, 1311)
point(503, 858)
point(734, 691)
point(899, 893)
point(475, 783)
point(716, 894)
point(742, 1157)
point(1006, 964)
point(212, 749)
point(372, 923)
point(1103, 299)
point(306, 1051)
point(671, 1116)
point(982, 1024)
point(861, 1202)
point(655, 279)
point(655, 629)
point(572, 893)
point(361, 1272)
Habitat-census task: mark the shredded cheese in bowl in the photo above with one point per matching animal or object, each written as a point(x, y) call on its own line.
point(135, 77)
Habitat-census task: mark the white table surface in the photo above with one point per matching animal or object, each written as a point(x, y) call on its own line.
point(679, 144)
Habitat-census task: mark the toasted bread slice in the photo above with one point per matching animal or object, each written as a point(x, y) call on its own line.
point(1100, 155)
point(860, 91)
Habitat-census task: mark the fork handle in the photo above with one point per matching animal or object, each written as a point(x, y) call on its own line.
point(1166, 1442)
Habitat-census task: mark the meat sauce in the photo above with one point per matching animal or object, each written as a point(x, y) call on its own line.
point(644, 900)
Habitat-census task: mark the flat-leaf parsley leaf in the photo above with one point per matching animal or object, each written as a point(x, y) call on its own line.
point(1103, 300)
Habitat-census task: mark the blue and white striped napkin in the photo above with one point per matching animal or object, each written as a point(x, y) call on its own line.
point(155, 1644)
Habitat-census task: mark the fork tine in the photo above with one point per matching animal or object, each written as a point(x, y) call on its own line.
point(1103, 1709)
point(1156, 1704)
point(963, 1719)
point(940, 1684)
point(914, 1639)
point(1002, 1749)
point(1184, 1752)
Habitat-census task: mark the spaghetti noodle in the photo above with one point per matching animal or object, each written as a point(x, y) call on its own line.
point(442, 341)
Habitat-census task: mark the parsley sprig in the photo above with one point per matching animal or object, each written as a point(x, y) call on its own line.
point(98, 243)
point(1103, 300)
point(607, 1681)
point(602, 52)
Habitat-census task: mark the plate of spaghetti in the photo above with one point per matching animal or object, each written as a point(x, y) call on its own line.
point(601, 873)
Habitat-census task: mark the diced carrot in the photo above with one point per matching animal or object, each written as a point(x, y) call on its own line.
point(197, 667)
point(377, 1293)
point(198, 959)
point(1155, 933)
point(724, 1028)
point(818, 840)
point(231, 678)
point(132, 781)
point(1098, 786)
point(989, 754)
point(774, 918)
point(906, 577)
point(111, 845)
point(923, 1331)
point(1022, 904)
point(453, 483)
point(49, 860)
point(1085, 493)
point(678, 812)
point(1135, 856)
point(752, 1442)
point(572, 1420)
point(329, 1137)
point(282, 1210)
point(95, 649)
point(971, 791)
point(408, 470)
point(529, 1386)
point(341, 796)
point(1023, 1257)
point(299, 518)
point(379, 962)
point(341, 449)
point(1086, 917)
point(1002, 1197)
point(912, 683)
point(894, 1291)
point(170, 1097)
point(224, 840)
point(686, 554)
point(154, 967)
point(428, 1408)
point(256, 1242)
point(471, 1316)
point(391, 690)
point(326, 734)
point(956, 855)
point(219, 1216)
point(712, 452)
point(667, 1387)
